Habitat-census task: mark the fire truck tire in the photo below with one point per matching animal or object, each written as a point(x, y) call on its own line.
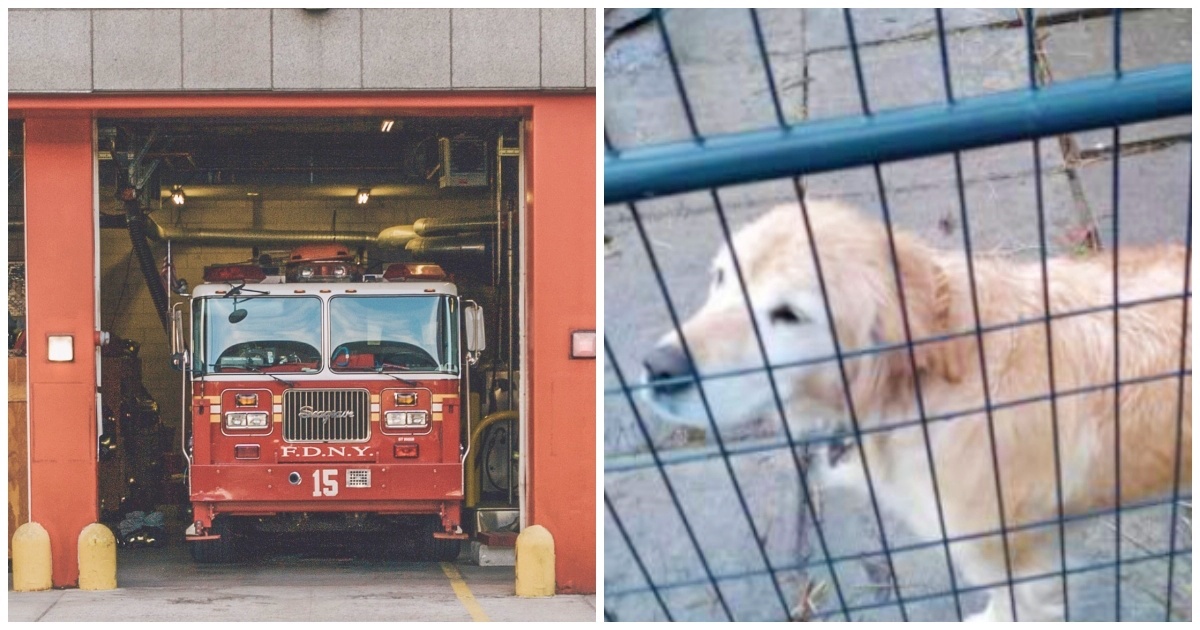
point(438, 549)
point(220, 551)
point(446, 550)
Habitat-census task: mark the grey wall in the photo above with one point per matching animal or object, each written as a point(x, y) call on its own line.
point(80, 50)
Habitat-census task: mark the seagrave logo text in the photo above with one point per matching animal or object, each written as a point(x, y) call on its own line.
point(307, 413)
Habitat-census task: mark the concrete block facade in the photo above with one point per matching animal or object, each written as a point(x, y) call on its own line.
point(421, 61)
point(128, 53)
point(496, 48)
point(52, 52)
point(129, 50)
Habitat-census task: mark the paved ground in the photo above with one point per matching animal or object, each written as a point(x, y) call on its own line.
point(726, 84)
point(163, 585)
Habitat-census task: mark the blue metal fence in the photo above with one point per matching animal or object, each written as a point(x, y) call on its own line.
point(792, 151)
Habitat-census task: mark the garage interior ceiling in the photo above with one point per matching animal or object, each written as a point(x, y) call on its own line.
point(327, 158)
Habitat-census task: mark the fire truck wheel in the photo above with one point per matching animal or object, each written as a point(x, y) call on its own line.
point(218, 551)
point(438, 549)
point(446, 550)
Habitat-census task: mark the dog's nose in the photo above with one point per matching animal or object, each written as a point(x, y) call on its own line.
point(668, 363)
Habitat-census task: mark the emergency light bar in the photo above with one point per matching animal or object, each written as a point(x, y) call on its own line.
point(323, 271)
point(399, 272)
point(233, 273)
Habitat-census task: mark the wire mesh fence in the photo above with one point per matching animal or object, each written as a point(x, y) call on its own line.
point(855, 414)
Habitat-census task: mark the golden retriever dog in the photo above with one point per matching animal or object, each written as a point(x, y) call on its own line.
point(856, 262)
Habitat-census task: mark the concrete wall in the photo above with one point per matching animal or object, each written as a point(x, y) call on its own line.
point(81, 50)
point(125, 305)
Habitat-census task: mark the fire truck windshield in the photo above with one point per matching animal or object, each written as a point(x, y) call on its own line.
point(260, 334)
point(407, 333)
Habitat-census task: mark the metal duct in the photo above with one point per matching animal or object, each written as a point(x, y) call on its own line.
point(466, 245)
point(395, 237)
point(447, 226)
point(211, 236)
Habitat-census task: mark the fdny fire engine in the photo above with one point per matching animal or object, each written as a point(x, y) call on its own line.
point(324, 398)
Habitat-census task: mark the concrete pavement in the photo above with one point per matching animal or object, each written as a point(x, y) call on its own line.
point(163, 585)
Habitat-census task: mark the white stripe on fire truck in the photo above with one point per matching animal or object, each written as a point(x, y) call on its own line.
point(374, 407)
point(276, 408)
point(215, 409)
point(437, 406)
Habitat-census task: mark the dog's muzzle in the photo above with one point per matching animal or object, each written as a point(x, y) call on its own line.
point(668, 370)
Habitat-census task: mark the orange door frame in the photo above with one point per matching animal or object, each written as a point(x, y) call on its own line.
point(61, 249)
point(61, 297)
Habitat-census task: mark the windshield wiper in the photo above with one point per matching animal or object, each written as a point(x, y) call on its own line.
point(258, 370)
point(407, 383)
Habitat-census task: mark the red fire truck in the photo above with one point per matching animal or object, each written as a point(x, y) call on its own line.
point(326, 399)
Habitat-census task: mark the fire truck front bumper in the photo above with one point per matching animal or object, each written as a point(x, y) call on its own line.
point(265, 489)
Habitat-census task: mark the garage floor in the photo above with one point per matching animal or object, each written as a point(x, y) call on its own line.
point(164, 585)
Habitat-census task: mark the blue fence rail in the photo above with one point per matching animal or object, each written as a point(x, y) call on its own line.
point(793, 151)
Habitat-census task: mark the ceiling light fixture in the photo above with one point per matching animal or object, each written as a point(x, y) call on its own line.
point(363, 195)
point(387, 125)
point(177, 195)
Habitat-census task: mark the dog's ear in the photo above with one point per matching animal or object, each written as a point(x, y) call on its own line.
point(928, 299)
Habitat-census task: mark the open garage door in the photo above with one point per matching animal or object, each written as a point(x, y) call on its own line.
point(345, 408)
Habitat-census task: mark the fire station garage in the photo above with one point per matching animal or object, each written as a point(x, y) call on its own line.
point(305, 297)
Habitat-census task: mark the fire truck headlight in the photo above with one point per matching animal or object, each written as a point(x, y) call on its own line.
point(246, 420)
point(405, 419)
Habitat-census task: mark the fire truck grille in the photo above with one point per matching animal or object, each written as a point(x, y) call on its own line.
point(326, 415)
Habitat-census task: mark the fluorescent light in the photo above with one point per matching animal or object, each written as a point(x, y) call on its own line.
point(363, 195)
point(386, 126)
point(583, 344)
point(60, 348)
point(177, 195)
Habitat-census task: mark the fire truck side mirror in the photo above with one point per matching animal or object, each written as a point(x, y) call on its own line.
point(179, 353)
point(473, 321)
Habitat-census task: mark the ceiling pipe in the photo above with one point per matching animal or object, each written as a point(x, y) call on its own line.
point(458, 245)
point(397, 237)
point(215, 236)
point(447, 226)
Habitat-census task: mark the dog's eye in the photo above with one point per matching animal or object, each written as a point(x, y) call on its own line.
point(785, 315)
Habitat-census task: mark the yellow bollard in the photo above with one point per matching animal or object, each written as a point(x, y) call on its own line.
point(31, 558)
point(97, 558)
point(535, 562)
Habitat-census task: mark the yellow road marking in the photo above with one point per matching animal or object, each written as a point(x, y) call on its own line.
point(464, 592)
